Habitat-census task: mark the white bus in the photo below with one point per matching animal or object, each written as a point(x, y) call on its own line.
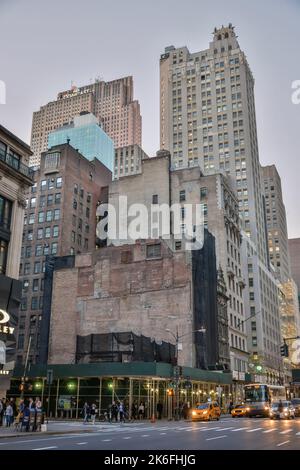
point(258, 398)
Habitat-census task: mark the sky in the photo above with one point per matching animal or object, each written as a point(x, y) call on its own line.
point(46, 45)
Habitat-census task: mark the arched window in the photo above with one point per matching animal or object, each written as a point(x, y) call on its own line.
point(226, 35)
point(219, 37)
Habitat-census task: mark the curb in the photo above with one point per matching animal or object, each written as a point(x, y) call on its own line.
point(46, 433)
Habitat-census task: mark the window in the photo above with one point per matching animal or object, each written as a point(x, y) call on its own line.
point(75, 188)
point(203, 193)
point(55, 231)
point(47, 232)
point(35, 285)
point(86, 243)
point(42, 201)
point(32, 202)
point(30, 235)
point(41, 217)
point(81, 194)
point(177, 246)
point(5, 212)
point(52, 161)
point(25, 285)
point(40, 233)
point(34, 303)
point(37, 267)
point(57, 198)
point(79, 239)
point(204, 209)
point(28, 251)
point(155, 199)
point(182, 195)
point(27, 268)
point(75, 204)
point(54, 248)
point(51, 183)
point(31, 219)
point(59, 182)
point(43, 185)
point(56, 214)
point(48, 216)
point(154, 251)
point(73, 236)
point(21, 341)
point(38, 250)
point(49, 199)
point(46, 249)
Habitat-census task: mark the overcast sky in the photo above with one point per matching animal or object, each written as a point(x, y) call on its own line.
point(47, 44)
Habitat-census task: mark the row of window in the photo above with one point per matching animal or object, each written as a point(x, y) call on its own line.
point(47, 216)
point(43, 200)
point(50, 183)
point(40, 250)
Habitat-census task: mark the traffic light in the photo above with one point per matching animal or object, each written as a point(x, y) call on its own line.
point(284, 350)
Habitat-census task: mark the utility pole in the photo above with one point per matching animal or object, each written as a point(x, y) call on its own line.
point(25, 369)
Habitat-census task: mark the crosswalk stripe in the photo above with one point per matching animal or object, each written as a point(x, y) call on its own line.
point(270, 430)
point(285, 432)
point(253, 430)
point(282, 443)
point(224, 429)
point(213, 438)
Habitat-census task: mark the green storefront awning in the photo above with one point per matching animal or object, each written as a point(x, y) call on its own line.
point(116, 369)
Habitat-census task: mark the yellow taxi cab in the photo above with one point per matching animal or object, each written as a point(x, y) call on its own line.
point(206, 411)
point(239, 411)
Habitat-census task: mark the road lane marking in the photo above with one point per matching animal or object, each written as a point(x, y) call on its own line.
point(81, 443)
point(210, 429)
point(282, 443)
point(145, 435)
point(253, 430)
point(46, 448)
point(213, 438)
point(163, 433)
point(223, 429)
point(239, 429)
point(106, 440)
point(127, 437)
point(285, 432)
point(270, 430)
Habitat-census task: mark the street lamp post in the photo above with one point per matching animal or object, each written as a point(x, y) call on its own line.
point(177, 376)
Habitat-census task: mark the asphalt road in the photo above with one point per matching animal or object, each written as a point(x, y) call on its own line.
point(226, 434)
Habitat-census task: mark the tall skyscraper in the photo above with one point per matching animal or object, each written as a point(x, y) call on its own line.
point(59, 220)
point(207, 118)
point(111, 102)
point(294, 251)
point(276, 222)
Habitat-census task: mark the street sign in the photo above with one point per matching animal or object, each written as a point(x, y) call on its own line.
point(49, 376)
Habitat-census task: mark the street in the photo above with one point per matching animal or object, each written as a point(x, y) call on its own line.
point(226, 434)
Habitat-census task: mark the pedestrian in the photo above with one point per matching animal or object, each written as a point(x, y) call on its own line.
point(1, 412)
point(141, 410)
point(159, 409)
point(9, 415)
point(114, 411)
point(26, 419)
point(185, 410)
point(93, 413)
point(38, 404)
point(230, 407)
point(85, 412)
point(122, 411)
point(134, 410)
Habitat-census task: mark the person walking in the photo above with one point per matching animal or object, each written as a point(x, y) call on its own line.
point(85, 412)
point(141, 410)
point(114, 411)
point(159, 409)
point(122, 412)
point(93, 413)
point(1, 412)
point(134, 411)
point(9, 415)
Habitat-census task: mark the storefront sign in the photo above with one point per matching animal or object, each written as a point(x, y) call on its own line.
point(4, 318)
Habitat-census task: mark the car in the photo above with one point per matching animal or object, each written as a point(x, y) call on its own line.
point(296, 404)
point(287, 410)
point(206, 412)
point(239, 411)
